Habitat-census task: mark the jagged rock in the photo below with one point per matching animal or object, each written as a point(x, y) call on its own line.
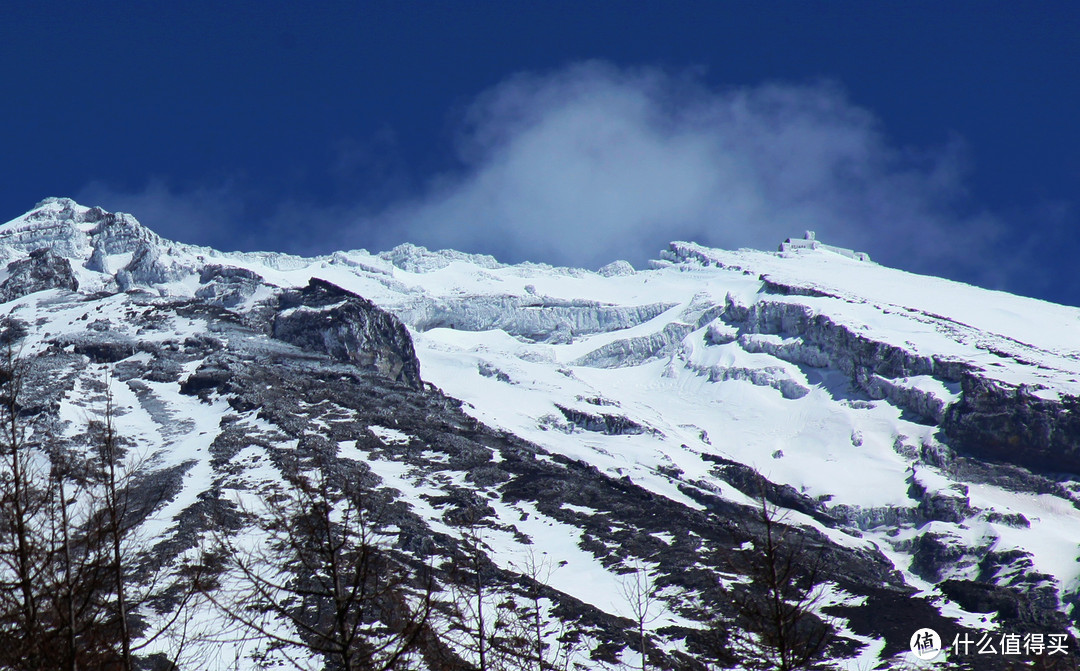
point(54, 224)
point(928, 405)
point(768, 376)
point(945, 506)
point(119, 233)
point(1012, 609)
point(42, 270)
point(612, 425)
point(323, 317)
point(147, 266)
point(734, 310)
point(720, 333)
point(114, 244)
point(215, 375)
point(487, 370)
point(754, 486)
point(795, 333)
point(771, 286)
point(864, 519)
point(795, 350)
point(1014, 520)
point(938, 551)
point(997, 421)
point(227, 286)
point(104, 351)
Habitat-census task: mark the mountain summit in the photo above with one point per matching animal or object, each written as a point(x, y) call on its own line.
point(616, 450)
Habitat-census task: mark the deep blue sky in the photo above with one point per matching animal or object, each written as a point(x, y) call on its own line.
point(940, 137)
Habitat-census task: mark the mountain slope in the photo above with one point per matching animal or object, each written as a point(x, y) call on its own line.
point(920, 433)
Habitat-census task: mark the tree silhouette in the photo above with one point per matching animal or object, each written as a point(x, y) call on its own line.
point(71, 571)
point(778, 627)
point(324, 569)
point(639, 593)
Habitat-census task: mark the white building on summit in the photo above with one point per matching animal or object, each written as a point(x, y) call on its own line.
point(809, 241)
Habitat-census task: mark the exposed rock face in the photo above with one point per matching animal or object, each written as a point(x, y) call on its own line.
point(950, 505)
point(54, 224)
point(148, 267)
point(42, 270)
point(227, 287)
point(991, 419)
point(323, 317)
point(1006, 604)
point(1012, 424)
point(795, 333)
point(833, 344)
point(612, 425)
point(940, 552)
point(766, 376)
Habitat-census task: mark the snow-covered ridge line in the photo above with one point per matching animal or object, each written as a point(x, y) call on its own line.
point(865, 396)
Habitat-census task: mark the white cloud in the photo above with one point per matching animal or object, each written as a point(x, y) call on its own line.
point(593, 163)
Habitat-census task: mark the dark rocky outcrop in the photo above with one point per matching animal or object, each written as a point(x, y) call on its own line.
point(753, 485)
point(1018, 611)
point(612, 425)
point(993, 420)
point(42, 270)
point(935, 552)
point(322, 317)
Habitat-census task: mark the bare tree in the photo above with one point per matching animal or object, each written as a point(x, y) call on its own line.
point(535, 638)
point(639, 593)
point(23, 530)
point(780, 628)
point(127, 580)
point(77, 578)
point(324, 570)
point(116, 527)
point(67, 555)
point(479, 609)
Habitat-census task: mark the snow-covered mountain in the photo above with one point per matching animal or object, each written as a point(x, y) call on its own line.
point(920, 435)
